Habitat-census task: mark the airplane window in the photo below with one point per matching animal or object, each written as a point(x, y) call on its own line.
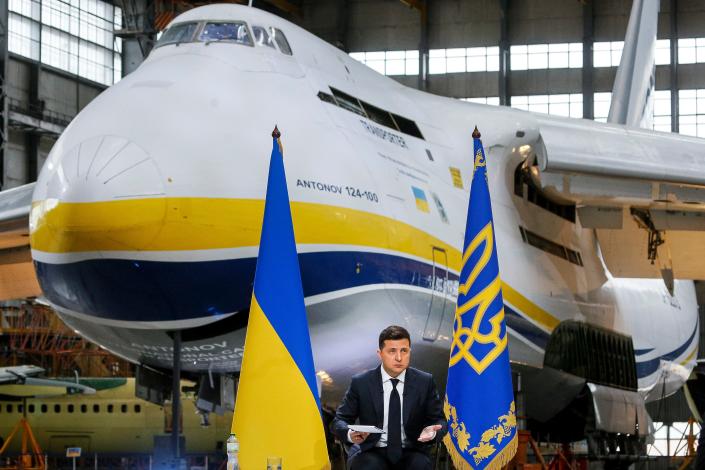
point(70, 408)
point(407, 126)
point(20, 408)
point(123, 408)
point(326, 97)
point(536, 196)
point(348, 102)
point(110, 408)
point(44, 408)
point(138, 409)
point(96, 408)
point(262, 37)
point(379, 116)
point(177, 34)
point(84, 408)
point(230, 32)
point(57, 408)
point(551, 247)
point(9, 408)
point(393, 121)
point(573, 257)
point(281, 41)
point(30, 408)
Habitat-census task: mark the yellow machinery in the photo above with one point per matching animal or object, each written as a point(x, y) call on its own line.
point(33, 460)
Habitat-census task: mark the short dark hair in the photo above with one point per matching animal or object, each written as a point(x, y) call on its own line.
point(393, 332)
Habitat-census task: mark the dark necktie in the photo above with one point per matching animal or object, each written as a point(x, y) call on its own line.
point(394, 425)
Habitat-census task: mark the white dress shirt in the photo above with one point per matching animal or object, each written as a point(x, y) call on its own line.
point(387, 387)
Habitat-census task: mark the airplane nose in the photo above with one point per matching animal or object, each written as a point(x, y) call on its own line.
point(136, 219)
point(81, 198)
point(108, 242)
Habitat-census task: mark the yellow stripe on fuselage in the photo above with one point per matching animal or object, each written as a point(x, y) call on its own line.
point(173, 224)
point(690, 356)
point(533, 311)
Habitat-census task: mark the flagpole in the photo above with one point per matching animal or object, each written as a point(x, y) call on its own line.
point(479, 403)
point(277, 415)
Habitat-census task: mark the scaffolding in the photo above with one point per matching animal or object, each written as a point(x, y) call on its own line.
point(32, 334)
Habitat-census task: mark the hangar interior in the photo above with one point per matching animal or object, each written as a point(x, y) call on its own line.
point(550, 56)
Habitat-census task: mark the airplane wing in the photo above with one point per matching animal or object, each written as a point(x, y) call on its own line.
point(642, 191)
point(24, 381)
point(11, 375)
point(17, 277)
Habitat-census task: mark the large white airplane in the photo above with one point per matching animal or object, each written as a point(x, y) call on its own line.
point(145, 219)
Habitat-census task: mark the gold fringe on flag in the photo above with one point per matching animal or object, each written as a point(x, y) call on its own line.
point(498, 461)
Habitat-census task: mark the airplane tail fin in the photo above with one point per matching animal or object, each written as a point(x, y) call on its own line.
point(632, 95)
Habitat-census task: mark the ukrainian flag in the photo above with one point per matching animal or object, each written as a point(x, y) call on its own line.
point(421, 201)
point(479, 404)
point(277, 411)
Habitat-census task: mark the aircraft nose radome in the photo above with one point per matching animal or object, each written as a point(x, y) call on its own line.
point(103, 168)
point(79, 187)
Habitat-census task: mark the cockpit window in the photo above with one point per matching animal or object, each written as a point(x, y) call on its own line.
point(281, 41)
point(177, 34)
point(262, 37)
point(231, 32)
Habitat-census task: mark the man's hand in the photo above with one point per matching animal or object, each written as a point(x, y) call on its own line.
point(429, 432)
point(358, 437)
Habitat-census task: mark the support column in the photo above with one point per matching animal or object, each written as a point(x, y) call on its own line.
point(343, 25)
point(176, 396)
point(505, 98)
point(520, 408)
point(36, 109)
point(423, 47)
point(674, 66)
point(588, 69)
point(137, 32)
point(31, 142)
point(4, 111)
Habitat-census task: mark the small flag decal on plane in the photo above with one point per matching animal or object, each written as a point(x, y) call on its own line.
point(421, 201)
point(456, 176)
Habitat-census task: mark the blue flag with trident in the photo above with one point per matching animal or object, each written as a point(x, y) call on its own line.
point(479, 404)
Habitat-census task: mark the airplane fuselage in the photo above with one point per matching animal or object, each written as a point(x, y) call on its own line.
point(146, 216)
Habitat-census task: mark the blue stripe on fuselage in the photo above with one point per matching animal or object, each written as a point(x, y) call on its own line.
point(524, 327)
point(130, 290)
point(646, 368)
point(146, 291)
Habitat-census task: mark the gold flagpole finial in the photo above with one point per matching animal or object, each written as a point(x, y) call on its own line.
point(275, 133)
point(476, 133)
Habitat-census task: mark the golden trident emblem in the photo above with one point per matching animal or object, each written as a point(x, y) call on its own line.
point(479, 159)
point(465, 336)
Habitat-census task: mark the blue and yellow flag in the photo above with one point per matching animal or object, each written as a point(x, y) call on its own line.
point(277, 411)
point(479, 404)
point(421, 201)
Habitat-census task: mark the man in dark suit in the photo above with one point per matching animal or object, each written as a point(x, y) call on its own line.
point(400, 400)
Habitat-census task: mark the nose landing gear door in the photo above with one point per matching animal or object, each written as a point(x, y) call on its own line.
point(439, 301)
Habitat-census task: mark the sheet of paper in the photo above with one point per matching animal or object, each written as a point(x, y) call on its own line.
point(364, 428)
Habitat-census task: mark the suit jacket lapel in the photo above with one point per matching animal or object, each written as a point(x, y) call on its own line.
point(409, 389)
point(378, 395)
